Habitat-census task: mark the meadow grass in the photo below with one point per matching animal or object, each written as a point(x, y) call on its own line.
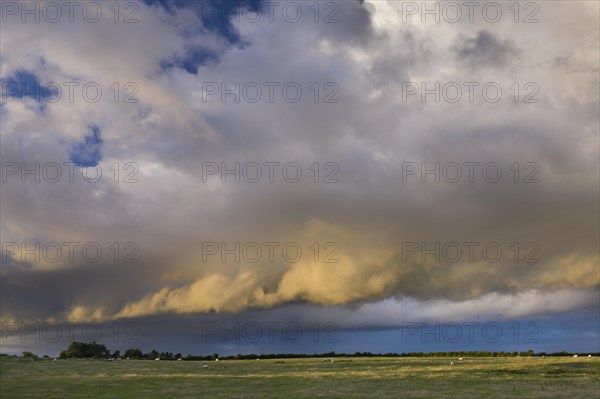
point(507, 377)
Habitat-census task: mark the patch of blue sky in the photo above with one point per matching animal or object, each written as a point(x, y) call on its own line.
point(216, 17)
point(88, 153)
point(25, 86)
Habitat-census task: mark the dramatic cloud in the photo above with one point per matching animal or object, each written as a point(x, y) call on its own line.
point(485, 49)
point(437, 196)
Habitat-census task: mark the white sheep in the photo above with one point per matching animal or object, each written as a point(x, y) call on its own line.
point(451, 363)
point(158, 358)
point(205, 366)
point(460, 358)
point(216, 360)
point(589, 355)
point(575, 356)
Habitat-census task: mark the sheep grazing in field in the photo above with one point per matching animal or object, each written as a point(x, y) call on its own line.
point(589, 355)
point(451, 363)
point(216, 360)
point(158, 358)
point(54, 360)
point(460, 358)
point(205, 366)
point(179, 359)
point(575, 356)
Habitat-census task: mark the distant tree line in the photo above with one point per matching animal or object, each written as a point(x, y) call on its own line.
point(83, 350)
point(530, 352)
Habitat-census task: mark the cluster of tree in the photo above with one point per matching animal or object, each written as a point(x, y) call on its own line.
point(99, 351)
point(84, 350)
point(135, 353)
point(29, 355)
point(26, 355)
point(214, 356)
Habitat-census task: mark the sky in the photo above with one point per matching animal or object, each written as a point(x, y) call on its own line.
point(300, 177)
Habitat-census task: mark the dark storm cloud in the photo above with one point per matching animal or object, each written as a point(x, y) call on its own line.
point(347, 21)
point(485, 49)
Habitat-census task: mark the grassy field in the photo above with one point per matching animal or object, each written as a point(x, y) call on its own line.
point(519, 377)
